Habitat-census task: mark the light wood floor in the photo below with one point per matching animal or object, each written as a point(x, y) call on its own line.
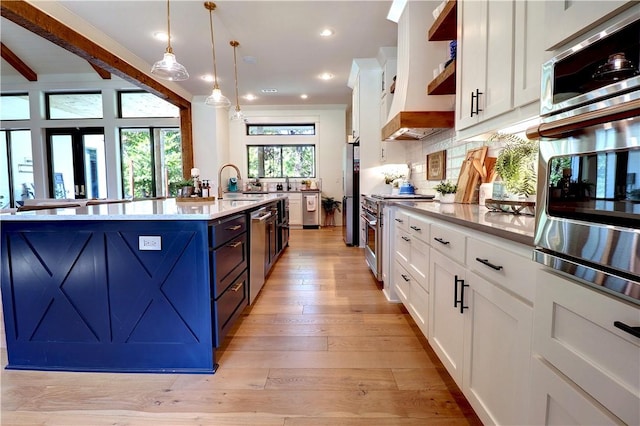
point(321, 346)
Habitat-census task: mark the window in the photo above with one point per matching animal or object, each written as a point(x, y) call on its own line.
point(16, 168)
point(279, 161)
point(73, 105)
point(150, 157)
point(14, 107)
point(281, 129)
point(134, 104)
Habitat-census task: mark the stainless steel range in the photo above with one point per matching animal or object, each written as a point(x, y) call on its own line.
point(373, 220)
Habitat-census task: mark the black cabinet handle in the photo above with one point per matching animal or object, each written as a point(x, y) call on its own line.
point(399, 220)
point(476, 96)
point(441, 241)
point(462, 306)
point(489, 264)
point(404, 277)
point(415, 228)
point(634, 331)
point(455, 294)
point(406, 239)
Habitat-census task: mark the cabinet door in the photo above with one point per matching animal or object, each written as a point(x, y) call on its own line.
point(355, 109)
point(528, 52)
point(295, 209)
point(556, 401)
point(470, 58)
point(565, 20)
point(497, 338)
point(498, 87)
point(445, 320)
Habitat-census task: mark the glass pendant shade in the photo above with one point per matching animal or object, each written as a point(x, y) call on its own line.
point(169, 69)
point(237, 115)
point(217, 99)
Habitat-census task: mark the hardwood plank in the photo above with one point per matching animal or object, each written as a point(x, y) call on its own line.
point(377, 421)
point(274, 343)
point(228, 378)
point(375, 343)
point(419, 378)
point(330, 380)
point(323, 330)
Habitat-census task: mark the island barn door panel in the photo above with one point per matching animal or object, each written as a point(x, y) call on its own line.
point(88, 296)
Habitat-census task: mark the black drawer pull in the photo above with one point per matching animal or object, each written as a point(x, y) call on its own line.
point(441, 241)
point(489, 264)
point(404, 277)
point(634, 331)
point(455, 294)
point(415, 228)
point(406, 239)
point(399, 220)
point(236, 287)
point(234, 228)
point(235, 244)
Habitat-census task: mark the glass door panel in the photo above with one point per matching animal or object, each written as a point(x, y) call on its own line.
point(77, 163)
point(16, 168)
point(5, 186)
point(138, 178)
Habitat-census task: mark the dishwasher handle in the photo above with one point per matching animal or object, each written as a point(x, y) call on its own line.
point(256, 218)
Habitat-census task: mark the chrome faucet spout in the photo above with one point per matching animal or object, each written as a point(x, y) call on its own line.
point(220, 177)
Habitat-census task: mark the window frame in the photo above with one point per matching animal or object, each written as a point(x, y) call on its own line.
point(248, 127)
point(47, 104)
point(281, 147)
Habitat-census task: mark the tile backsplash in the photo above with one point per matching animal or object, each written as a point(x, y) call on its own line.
point(444, 141)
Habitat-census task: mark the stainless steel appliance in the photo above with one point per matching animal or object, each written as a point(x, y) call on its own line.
point(310, 210)
point(283, 223)
point(351, 191)
point(588, 215)
point(373, 220)
point(258, 251)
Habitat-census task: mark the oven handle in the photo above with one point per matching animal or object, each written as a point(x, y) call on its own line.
point(370, 222)
point(561, 127)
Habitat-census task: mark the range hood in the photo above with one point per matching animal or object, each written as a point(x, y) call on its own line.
point(414, 114)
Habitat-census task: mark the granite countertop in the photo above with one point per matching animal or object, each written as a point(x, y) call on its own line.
point(165, 209)
point(519, 228)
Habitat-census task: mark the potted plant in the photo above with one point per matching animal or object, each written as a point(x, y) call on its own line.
point(447, 191)
point(330, 205)
point(182, 188)
point(517, 164)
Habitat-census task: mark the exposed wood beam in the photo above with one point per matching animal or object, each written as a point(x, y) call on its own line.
point(105, 75)
point(17, 63)
point(38, 22)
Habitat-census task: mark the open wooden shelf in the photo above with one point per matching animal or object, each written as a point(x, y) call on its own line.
point(446, 26)
point(445, 83)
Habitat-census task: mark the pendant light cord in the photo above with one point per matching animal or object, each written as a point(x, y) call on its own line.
point(235, 44)
point(213, 49)
point(169, 49)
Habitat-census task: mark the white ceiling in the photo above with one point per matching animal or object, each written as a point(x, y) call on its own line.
point(282, 36)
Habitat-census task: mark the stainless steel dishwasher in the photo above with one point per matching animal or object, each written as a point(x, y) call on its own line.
point(258, 251)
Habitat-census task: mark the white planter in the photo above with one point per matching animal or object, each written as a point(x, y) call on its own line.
point(447, 198)
point(486, 191)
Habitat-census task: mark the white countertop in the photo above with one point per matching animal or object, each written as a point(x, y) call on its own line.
point(167, 209)
point(515, 227)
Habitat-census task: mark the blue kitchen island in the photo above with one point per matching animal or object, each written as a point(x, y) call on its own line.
point(146, 286)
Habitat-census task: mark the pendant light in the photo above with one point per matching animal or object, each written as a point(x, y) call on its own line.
point(237, 115)
point(216, 99)
point(168, 68)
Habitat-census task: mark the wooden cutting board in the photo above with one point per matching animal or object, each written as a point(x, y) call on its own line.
point(469, 178)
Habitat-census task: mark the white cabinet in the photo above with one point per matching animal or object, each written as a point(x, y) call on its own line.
point(566, 20)
point(446, 317)
point(556, 401)
point(528, 51)
point(485, 56)
point(355, 109)
point(295, 209)
point(575, 332)
point(497, 352)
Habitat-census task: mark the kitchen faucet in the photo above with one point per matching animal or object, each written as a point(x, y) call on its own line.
point(220, 177)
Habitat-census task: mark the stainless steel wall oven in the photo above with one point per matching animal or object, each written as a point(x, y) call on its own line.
point(588, 215)
point(371, 218)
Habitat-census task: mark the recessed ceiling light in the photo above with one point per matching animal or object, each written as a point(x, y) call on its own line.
point(304, 96)
point(327, 32)
point(208, 78)
point(250, 59)
point(269, 90)
point(326, 76)
point(160, 35)
point(250, 97)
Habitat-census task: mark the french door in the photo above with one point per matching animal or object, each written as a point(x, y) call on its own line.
point(76, 163)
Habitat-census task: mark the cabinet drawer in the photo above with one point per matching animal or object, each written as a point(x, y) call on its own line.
point(419, 262)
point(419, 228)
point(574, 331)
point(401, 220)
point(224, 229)
point(506, 266)
point(448, 241)
point(228, 307)
point(402, 245)
point(227, 261)
point(402, 282)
